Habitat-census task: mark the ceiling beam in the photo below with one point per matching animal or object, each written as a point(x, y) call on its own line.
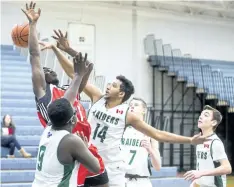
point(196, 6)
point(73, 5)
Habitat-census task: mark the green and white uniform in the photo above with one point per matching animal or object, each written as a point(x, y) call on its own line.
point(49, 171)
point(107, 130)
point(136, 158)
point(208, 156)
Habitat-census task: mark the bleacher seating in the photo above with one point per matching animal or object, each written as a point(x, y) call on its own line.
point(212, 77)
point(17, 99)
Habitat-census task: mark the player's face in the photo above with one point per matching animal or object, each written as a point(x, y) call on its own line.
point(113, 90)
point(50, 76)
point(136, 107)
point(7, 120)
point(206, 119)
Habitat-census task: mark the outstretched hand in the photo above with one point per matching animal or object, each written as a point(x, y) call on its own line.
point(81, 65)
point(198, 139)
point(45, 45)
point(62, 41)
point(30, 12)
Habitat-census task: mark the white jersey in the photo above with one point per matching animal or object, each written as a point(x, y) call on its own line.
point(136, 156)
point(208, 155)
point(107, 129)
point(49, 171)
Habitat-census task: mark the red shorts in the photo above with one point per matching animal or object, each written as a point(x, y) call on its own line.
point(83, 172)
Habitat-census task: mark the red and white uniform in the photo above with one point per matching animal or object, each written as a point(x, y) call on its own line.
point(52, 93)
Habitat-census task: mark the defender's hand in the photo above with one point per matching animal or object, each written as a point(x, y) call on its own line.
point(147, 145)
point(45, 45)
point(81, 65)
point(192, 175)
point(84, 138)
point(198, 139)
point(62, 42)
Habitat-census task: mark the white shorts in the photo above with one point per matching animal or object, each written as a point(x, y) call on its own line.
point(116, 174)
point(139, 182)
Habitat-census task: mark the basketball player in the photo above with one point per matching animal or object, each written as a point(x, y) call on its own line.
point(212, 161)
point(58, 161)
point(46, 90)
point(137, 149)
point(109, 117)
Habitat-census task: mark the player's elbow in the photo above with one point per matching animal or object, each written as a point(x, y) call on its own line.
point(228, 169)
point(96, 166)
point(157, 167)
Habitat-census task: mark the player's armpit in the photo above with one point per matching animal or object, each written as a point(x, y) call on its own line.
point(93, 92)
point(158, 135)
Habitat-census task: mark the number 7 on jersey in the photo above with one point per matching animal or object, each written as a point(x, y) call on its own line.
point(133, 156)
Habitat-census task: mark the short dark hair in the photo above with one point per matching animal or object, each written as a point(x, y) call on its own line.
point(141, 100)
point(60, 112)
point(126, 87)
point(217, 116)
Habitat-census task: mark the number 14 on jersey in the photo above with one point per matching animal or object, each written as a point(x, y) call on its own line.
point(100, 133)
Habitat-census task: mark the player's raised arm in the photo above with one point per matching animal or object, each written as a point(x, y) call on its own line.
point(38, 77)
point(80, 69)
point(62, 43)
point(161, 136)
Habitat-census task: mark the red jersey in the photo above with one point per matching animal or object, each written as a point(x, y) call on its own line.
point(52, 93)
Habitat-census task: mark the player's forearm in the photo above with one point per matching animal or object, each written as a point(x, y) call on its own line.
point(66, 64)
point(33, 41)
point(163, 136)
point(71, 52)
point(221, 170)
point(155, 159)
point(73, 89)
point(84, 81)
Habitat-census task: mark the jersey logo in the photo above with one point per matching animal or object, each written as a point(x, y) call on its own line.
point(119, 111)
point(49, 134)
point(206, 146)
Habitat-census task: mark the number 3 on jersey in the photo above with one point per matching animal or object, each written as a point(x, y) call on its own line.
point(40, 157)
point(100, 134)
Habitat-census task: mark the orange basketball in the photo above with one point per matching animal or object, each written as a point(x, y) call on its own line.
point(19, 35)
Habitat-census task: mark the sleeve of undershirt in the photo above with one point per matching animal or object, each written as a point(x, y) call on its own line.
point(218, 150)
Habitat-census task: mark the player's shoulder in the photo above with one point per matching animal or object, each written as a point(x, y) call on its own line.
point(215, 138)
point(123, 106)
point(217, 142)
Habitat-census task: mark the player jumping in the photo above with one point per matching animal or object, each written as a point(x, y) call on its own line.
point(109, 116)
point(46, 90)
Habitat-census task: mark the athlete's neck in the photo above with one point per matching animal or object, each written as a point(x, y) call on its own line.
point(207, 132)
point(112, 103)
point(66, 128)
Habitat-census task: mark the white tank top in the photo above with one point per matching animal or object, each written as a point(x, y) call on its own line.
point(136, 157)
point(49, 171)
point(107, 129)
point(205, 161)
